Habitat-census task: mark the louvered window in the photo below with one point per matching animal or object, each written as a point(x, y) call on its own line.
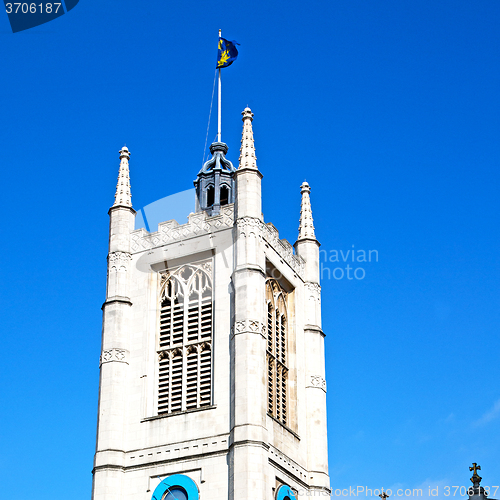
point(277, 370)
point(185, 339)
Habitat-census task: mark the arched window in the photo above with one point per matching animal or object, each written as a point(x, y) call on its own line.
point(170, 381)
point(185, 340)
point(277, 370)
point(210, 196)
point(176, 493)
point(176, 487)
point(224, 195)
point(285, 493)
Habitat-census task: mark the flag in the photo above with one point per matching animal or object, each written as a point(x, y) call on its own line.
point(227, 53)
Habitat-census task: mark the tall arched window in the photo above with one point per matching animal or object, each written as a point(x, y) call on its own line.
point(210, 196)
point(277, 370)
point(224, 195)
point(185, 339)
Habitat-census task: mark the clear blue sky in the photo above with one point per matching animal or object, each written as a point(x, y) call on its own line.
point(391, 111)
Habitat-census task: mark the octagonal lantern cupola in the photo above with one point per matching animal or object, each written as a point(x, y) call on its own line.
point(215, 181)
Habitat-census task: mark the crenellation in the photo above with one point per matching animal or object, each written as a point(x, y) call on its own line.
point(283, 248)
point(172, 231)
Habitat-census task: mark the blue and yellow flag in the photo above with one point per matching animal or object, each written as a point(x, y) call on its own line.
point(227, 53)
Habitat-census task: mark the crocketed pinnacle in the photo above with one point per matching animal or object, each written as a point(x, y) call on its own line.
point(306, 226)
point(123, 197)
point(247, 150)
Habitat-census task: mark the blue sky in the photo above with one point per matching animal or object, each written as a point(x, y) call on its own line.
point(389, 109)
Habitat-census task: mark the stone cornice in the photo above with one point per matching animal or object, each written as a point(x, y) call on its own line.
point(252, 268)
point(246, 442)
point(246, 170)
point(284, 470)
point(117, 207)
point(166, 415)
point(288, 466)
point(116, 299)
point(156, 462)
point(113, 450)
point(173, 452)
point(307, 240)
point(106, 467)
point(165, 461)
point(314, 328)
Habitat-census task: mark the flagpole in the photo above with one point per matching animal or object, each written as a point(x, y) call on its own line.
point(220, 101)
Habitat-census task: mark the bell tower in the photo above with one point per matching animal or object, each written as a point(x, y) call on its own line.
point(212, 371)
point(215, 181)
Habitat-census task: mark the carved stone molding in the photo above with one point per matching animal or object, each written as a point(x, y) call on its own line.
point(119, 355)
point(317, 382)
point(183, 278)
point(313, 291)
point(208, 267)
point(313, 287)
point(287, 463)
point(118, 261)
point(248, 225)
point(249, 325)
point(172, 352)
point(171, 231)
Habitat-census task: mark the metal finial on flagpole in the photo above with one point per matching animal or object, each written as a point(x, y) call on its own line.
point(220, 101)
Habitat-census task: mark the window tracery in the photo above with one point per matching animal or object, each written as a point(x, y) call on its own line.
point(185, 339)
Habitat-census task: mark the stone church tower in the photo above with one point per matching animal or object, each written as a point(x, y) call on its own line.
point(212, 382)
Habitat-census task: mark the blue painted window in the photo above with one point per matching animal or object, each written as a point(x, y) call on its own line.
point(285, 493)
point(176, 487)
point(176, 493)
